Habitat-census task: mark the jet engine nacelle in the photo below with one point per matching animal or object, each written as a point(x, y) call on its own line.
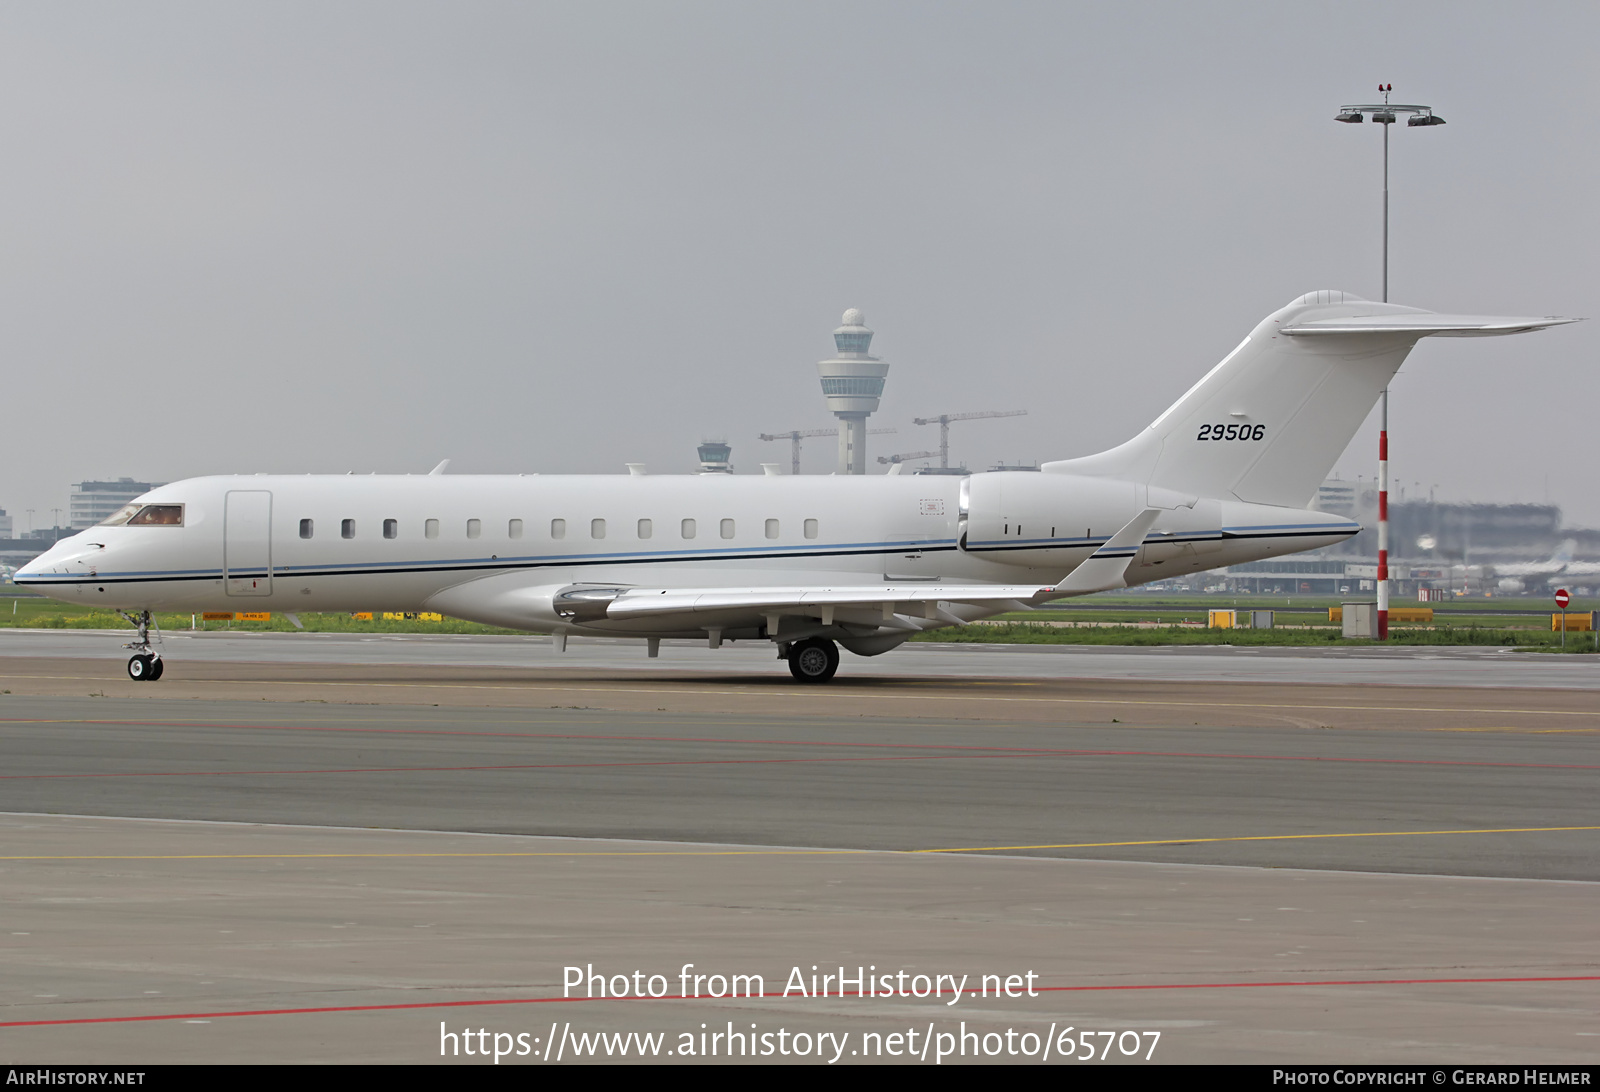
point(1051, 521)
point(1041, 520)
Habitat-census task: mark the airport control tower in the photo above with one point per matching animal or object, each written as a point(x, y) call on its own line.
point(853, 384)
point(716, 457)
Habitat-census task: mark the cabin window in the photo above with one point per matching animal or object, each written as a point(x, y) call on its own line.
point(306, 528)
point(514, 529)
point(430, 529)
point(597, 528)
point(347, 528)
point(646, 528)
point(558, 528)
point(772, 528)
point(391, 528)
point(727, 528)
point(687, 528)
point(811, 528)
point(474, 528)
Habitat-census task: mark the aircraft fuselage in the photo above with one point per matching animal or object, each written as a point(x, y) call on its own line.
point(452, 542)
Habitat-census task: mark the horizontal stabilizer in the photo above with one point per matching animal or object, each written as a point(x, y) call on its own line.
point(1423, 324)
point(1107, 567)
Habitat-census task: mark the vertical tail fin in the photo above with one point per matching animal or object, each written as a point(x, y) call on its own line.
point(1267, 424)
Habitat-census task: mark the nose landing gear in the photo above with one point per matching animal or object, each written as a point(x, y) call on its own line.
point(145, 665)
point(144, 668)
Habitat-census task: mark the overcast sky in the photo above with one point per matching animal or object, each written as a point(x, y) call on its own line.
point(561, 237)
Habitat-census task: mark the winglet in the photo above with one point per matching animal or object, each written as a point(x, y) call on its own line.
point(440, 468)
point(1107, 567)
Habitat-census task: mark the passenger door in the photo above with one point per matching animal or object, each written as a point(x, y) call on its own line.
point(247, 542)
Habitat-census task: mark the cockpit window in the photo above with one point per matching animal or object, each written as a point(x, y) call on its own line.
point(121, 515)
point(150, 515)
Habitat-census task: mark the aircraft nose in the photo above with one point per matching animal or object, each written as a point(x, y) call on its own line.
point(65, 556)
point(25, 574)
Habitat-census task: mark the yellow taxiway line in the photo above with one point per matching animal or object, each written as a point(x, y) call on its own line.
point(776, 852)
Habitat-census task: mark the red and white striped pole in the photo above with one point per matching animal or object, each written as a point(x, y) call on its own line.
point(1383, 428)
point(1383, 520)
point(1384, 114)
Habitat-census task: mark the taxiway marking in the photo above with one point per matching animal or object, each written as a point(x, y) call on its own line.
point(679, 997)
point(778, 852)
point(855, 693)
point(1253, 838)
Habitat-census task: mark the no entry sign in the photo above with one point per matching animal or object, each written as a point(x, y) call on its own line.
point(1562, 598)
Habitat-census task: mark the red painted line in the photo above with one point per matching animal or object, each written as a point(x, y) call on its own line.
point(987, 751)
point(531, 735)
point(994, 754)
point(682, 997)
point(519, 766)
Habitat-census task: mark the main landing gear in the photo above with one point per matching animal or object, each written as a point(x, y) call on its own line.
point(813, 660)
point(145, 665)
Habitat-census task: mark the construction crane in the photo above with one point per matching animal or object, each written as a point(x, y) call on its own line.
point(944, 420)
point(796, 436)
point(890, 459)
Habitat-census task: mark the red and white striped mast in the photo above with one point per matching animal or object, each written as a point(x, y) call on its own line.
point(1387, 119)
point(1384, 114)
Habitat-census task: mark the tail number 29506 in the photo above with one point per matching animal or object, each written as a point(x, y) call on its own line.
point(1232, 432)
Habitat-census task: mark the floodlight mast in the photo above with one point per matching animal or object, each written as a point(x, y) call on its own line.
point(1384, 114)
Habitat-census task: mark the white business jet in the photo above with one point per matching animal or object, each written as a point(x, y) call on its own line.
point(808, 563)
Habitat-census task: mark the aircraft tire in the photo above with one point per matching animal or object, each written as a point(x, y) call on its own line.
point(140, 669)
point(156, 668)
point(813, 660)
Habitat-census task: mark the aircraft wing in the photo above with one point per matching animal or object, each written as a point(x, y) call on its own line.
point(1104, 570)
point(905, 607)
point(885, 601)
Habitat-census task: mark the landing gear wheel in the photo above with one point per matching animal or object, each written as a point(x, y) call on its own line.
point(145, 666)
point(813, 660)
